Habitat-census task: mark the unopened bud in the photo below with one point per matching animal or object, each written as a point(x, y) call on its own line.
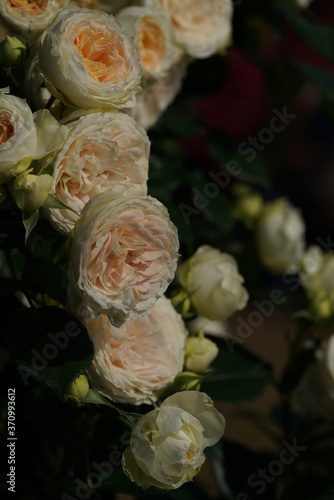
point(181, 302)
point(78, 388)
point(30, 191)
point(199, 353)
point(321, 308)
point(13, 51)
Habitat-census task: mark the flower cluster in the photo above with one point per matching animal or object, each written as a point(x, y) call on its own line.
point(110, 293)
point(97, 81)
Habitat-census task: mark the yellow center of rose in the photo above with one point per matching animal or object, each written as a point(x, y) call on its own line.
point(151, 44)
point(30, 7)
point(6, 127)
point(102, 53)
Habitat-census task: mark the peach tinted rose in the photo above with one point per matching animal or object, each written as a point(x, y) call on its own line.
point(200, 27)
point(123, 255)
point(89, 60)
point(102, 150)
point(153, 35)
point(135, 363)
point(30, 17)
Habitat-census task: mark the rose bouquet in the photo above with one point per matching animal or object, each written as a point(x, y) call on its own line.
point(138, 252)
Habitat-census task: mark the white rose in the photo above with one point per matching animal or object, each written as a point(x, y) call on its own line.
point(153, 36)
point(30, 18)
point(88, 59)
point(213, 283)
point(134, 364)
point(153, 101)
point(25, 136)
point(102, 150)
point(123, 255)
point(316, 388)
point(167, 444)
point(280, 236)
point(200, 27)
point(317, 277)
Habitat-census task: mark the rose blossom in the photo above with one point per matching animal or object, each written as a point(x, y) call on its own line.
point(317, 277)
point(167, 444)
point(316, 388)
point(153, 101)
point(25, 136)
point(153, 35)
point(135, 363)
point(279, 235)
point(88, 59)
point(123, 255)
point(30, 18)
point(213, 283)
point(200, 27)
point(101, 151)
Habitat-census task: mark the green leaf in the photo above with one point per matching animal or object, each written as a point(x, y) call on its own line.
point(43, 276)
point(215, 206)
point(239, 377)
point(49, 345)
point(186, 235)
point(49, 169)
point(94, 397)
point(179, 122)
point(252, 172)
point(30, 220)
point(52, 202)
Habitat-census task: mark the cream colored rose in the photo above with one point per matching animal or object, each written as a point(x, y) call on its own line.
point(30, 18)
point(199, 353)
point(153, 101)
point(134, 364)
point(316, 388)
point(213, 283)
point(317, 277)
point(25, 136)
point(30, 191)
point(200, 27)
point(153, 35)
point(102, 150)
point(280, 236)
point(123, 255)
point(167, 444)
point(88, 59)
